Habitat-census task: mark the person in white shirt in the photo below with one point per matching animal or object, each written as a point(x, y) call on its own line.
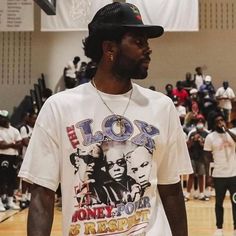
point(220, 147)
point(26, 131)
point(110, 110)
point(10, 143)
point(181, 110)
point(199, 77)
point(225, 95)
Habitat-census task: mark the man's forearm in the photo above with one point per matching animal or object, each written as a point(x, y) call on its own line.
point(174, 206)
point(41, 211)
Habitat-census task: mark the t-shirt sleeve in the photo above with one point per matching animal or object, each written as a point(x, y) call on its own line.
point(41, 161)
point(17, 136)
point(23, 132)
point(207, 144)
point(174, 160)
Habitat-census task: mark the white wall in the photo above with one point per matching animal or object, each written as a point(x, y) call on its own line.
point(173, 55)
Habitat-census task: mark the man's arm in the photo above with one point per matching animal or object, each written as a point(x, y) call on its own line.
point(233, 136)
point(174, 206)
point(5, 145)
point(41, 211)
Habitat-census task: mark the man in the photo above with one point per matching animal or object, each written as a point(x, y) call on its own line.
point(26, 131)
point(188, 83)
point(199, 77)
point(71, 73)
point(181, 110)
point(110, 109)
point(196, 138)
point(220, 146)
point(225, 95)
point(180, 92)
point(207, 87)
point(10, 143)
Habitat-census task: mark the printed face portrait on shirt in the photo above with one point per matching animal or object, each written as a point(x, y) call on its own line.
point(116, 163)
point(139, 165)
point(87, 161)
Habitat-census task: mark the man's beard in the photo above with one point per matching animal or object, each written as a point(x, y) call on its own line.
point(127, 68)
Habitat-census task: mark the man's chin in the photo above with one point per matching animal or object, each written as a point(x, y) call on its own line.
point(140, 76)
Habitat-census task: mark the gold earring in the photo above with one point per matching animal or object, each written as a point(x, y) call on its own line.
point(111, 57)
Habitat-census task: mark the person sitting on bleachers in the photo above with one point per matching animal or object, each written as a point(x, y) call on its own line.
point(169, 90)
point(181, 110)
point(71, 73)
point(196, 138)
point(180, 92)
point(188, 83)
point(208, 87)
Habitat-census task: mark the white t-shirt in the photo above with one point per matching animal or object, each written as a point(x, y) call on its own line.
point(9, 135)
point(199, 79)
point(75, 125)
point(25, 133)
point(222, 147)
point(181, 110)
point(228, 93)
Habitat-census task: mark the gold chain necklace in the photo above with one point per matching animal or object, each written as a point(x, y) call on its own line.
point(119, 118)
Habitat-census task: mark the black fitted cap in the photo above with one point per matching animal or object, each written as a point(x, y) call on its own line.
point(122, 16)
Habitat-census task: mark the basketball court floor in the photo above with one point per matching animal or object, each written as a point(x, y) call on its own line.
point(201, 220)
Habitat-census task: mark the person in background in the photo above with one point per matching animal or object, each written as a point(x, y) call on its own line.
point(169, 90)
point(71, 73)
point(225, 95)
point(220, 147)
point(199, 77)
point(10, 144)
point(26, 130)
point(188, 83)
point(193, 98)
point(233, 128)
point(191, 117)
point(152, 87)
point(180, 92)
point(113, 109)
point(195, 142)
point(207, 87)
point(181, 110)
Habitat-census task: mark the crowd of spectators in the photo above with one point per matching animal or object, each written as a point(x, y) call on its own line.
point(197, 101)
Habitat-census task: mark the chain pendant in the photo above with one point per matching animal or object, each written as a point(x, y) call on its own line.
point(120, 124)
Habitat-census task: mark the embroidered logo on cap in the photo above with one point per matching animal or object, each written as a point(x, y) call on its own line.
point(136, 12)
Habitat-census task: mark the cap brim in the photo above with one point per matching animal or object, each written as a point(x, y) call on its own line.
point(151, 31)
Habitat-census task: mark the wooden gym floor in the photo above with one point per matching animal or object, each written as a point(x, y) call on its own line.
point(201, 220)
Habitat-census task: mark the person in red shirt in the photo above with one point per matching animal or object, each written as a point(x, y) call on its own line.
point(181, 93)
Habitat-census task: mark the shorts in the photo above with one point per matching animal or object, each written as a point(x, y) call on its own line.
point(198, 167)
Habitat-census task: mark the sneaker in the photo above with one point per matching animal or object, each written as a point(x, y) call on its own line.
point(2, 208)
point(12, 204)
point(24, 204)
point(204, 198)
point(186, 199)
point(218, 232)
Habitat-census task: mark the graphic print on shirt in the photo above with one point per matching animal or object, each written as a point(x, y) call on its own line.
point(112, 177)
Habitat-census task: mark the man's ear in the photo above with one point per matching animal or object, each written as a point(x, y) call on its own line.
point(109, 49)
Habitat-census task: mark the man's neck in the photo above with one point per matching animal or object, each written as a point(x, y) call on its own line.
point(107, 82)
